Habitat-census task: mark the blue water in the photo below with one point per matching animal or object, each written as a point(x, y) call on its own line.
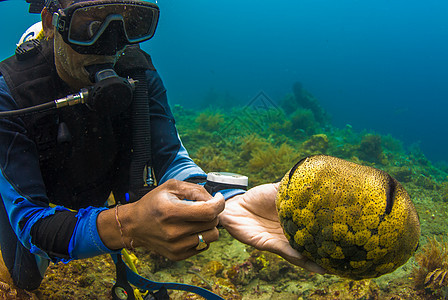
point(377, 65)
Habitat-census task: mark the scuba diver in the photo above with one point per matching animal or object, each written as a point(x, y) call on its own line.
point(60, 166)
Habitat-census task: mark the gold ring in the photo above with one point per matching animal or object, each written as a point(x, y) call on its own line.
point(202, 244)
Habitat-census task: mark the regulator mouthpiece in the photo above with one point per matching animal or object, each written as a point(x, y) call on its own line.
point(111, 94)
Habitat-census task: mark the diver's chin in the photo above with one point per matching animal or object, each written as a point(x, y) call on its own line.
point(85, 77)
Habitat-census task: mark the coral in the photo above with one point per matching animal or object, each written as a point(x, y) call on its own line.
point(432, 265)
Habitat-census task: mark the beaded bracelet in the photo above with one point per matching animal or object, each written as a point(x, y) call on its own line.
point(131, 246)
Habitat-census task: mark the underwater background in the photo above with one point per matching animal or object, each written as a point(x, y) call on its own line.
point(257, 85)
point(376, 65)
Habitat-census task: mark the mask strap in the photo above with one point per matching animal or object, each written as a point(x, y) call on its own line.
point(53, 5)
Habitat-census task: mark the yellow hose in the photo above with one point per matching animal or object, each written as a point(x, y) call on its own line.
point(129, 260)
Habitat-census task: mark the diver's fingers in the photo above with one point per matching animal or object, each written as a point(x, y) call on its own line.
point(296, 258)
point(187, 190)
point(307, 264)
point(276, 185)
point(187, 228)
point(204, 237)
point(199, 211)
point(191, 245)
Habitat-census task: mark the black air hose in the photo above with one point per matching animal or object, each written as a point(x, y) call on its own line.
point(28, 110)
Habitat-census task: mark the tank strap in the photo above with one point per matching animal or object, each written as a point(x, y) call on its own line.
point(149, 285)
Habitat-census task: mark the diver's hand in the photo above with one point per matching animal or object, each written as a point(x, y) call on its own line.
point(252, 219)
point(162, 221)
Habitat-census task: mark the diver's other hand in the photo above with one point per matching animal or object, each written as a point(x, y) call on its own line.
point(162, 221)
point(252, 219)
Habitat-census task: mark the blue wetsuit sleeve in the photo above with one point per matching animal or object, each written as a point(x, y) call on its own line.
point(23, 191)
point(182, 167)
point(170, 158)
point(86, 241)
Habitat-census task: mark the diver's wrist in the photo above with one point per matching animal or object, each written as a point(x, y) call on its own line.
point(115, 227)
point(108, 229)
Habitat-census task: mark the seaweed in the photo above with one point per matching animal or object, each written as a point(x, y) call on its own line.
point(444, 191)
point(392, 144)
point(316, 144)
point(304, 122)
point(401, 173)
point(271, 162)
point(251, 143)
point(209, 120)
point(370, 149)
point(301, 99)
point(211, 158)
point(431, 271)
point(307, 101)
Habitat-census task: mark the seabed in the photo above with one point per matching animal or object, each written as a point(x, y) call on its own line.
point(264, 144)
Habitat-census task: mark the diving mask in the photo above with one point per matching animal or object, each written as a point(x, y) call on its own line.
point(104, 27)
